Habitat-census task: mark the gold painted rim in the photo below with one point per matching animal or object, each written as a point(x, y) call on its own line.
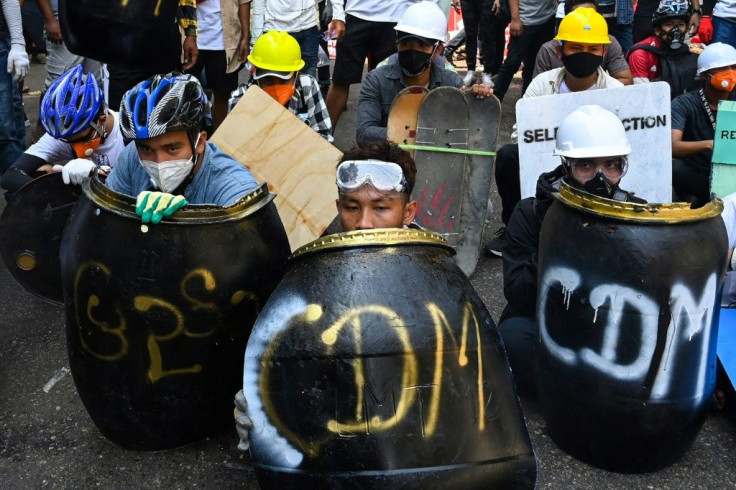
point(123, 205)
point(664, 213)
point(373, 238)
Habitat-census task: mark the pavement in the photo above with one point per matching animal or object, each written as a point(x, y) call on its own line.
point(47, 440)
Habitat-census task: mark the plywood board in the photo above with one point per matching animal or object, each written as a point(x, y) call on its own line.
point(296, 162)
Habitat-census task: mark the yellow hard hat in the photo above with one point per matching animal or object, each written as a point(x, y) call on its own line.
point(584, 25)
point(276, 51)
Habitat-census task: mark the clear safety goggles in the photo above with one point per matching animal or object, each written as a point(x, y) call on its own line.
point(585, 169)
point(384, 176)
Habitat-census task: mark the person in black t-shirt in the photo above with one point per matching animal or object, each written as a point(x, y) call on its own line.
point(694, 123)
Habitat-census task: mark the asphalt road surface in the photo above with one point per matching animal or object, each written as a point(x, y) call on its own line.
point(47, 440)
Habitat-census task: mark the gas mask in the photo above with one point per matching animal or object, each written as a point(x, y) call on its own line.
point(598, 186)
point(675, 38)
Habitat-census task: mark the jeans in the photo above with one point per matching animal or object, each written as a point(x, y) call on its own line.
point(520, 335)
point(60, 59)
point(624, 34)
point(724, 31)
point(479, 21)
point(508, 180)
point(308, 40)
point(12, 122)
point(523, 48)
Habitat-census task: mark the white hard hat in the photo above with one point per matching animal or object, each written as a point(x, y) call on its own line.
point(591, 131)
point(424, 20)
point(716, 55)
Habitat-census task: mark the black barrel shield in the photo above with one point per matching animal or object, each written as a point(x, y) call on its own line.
point(30, 234)
point(132, 32)
point(375, 364)
point(158, 316)
point(628, 315)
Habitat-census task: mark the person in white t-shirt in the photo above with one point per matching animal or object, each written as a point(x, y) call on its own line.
point(79, 128)
point(223, 43)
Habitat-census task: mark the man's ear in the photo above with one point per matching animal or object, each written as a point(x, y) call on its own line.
point(558, 50)
point(410, 211)
point(202, 142)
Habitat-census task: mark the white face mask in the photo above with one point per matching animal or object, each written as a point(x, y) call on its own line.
point(166, 176)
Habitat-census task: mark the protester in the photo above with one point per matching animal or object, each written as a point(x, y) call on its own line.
point(724, 22)
point(170, 154)
point(645, 9)
point(79, 128)
point(277, 60)
point(479, 23)
point(374, 184)
point(666, 56)
point(583, 35)
point(532, 24)
point(419, 35)
point(299, 18)
point(12, 55)
point(223, 43)
point(369, 32)
point(613, 60)
point(183, 54)
point(593, 148)
point(694, 124)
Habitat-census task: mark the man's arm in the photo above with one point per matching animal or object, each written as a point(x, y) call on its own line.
point(616, 64)
point(244, 18)
point(258, 18)
point(317, 116)
point(515, 27)
point(684, 149)
point(695, 17)
point(639, 66)
point(369, 113)
point(186, 14)
point(520, 259)
point(53, 31)
point(17, 57)
point(337, 26)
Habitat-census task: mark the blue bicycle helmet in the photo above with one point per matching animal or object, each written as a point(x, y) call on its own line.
point(162, 104)
point(72, 104)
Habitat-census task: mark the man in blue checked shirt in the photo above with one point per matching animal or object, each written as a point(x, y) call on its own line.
point(276, 58)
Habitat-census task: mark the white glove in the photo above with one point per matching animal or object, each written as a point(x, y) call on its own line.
point(75, 171)
point(18, 61)
point(243, 423)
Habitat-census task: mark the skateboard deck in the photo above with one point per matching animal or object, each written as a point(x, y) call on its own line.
point(296, 162)
point(485, 115)
point(403, 115)
point(442, 124)
point(30, 234)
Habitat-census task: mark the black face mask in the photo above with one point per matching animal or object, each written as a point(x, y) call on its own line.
point(581, 65)
point(413, 62)
point(675, 38)
point(598, 186)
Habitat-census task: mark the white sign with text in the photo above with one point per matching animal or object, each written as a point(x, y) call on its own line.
point(644, 110)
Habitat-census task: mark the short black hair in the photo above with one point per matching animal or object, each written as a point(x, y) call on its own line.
point(386, 151)
point(570, 5)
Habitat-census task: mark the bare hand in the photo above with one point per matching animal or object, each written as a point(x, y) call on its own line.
point(243, 48)
point(190, 52)
point(694, 23)
point(337, 28)
point(496, 8)
point(456, 5)
point(515, 27)
point(481, 91)
point(53, 31)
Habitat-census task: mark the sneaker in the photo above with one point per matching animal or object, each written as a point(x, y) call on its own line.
point(469, 79)
point(495, 246)
point(487, 80)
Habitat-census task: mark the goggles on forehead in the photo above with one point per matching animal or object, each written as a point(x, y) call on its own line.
point(585, 170)
point(384, 176)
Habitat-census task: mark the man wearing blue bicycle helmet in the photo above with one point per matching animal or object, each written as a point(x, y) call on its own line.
point(171, 164)
point(79, 128)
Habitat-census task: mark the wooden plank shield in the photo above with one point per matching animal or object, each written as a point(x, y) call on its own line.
point(296, 162)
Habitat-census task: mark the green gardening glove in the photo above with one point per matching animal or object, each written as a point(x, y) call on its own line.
point(153, 206)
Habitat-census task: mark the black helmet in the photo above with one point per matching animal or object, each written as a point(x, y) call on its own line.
point(163, 104)
point(672, 9)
